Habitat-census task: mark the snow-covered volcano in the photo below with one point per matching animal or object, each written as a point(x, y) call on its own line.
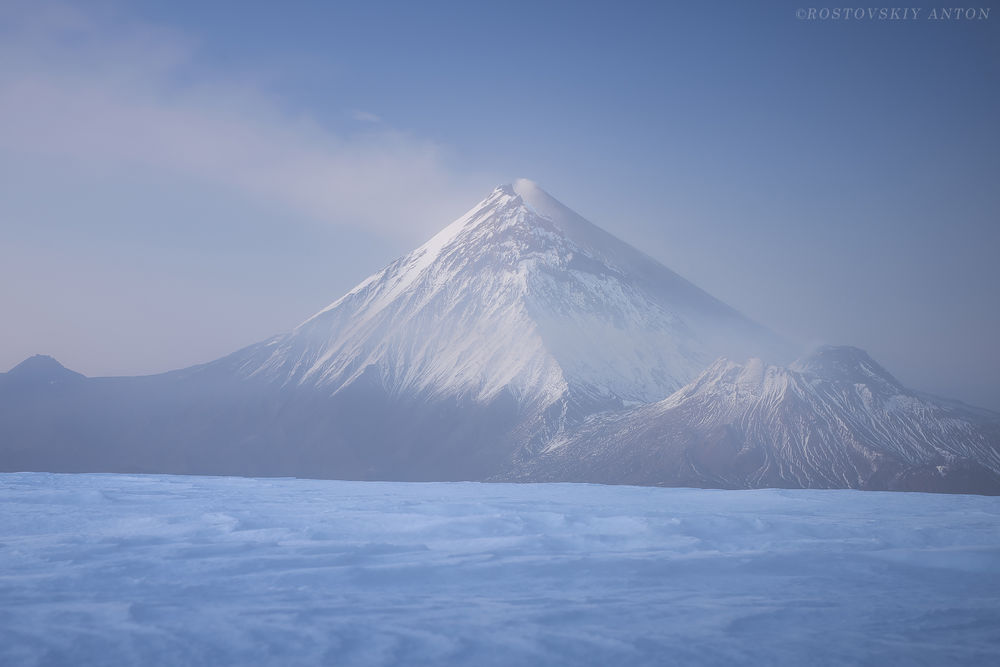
point(833, 419)
point(521, 342)
point(520, 295)
point(506, 329)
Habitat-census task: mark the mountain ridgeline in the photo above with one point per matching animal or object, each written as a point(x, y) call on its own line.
point(521, 343)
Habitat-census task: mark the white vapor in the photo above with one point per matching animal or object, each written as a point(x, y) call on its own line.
point(156, 211)
point(94, 89)
point(366, 117)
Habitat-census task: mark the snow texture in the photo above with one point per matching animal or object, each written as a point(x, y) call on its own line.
point(160, 570)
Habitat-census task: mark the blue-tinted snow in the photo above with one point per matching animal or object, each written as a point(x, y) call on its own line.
point(159, 570)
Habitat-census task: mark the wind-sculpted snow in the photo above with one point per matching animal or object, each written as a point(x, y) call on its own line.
point(157, 570)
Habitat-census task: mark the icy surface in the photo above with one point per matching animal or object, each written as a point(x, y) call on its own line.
point(159, 570)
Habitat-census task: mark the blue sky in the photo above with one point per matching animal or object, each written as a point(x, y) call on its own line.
point(181, 178)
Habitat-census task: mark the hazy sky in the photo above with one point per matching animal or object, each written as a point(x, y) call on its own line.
point(179, 179)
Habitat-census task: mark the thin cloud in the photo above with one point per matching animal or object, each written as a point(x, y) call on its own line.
point(366, 117)
point(107, 92)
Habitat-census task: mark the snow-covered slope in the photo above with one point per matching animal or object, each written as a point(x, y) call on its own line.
point(519, 295)
point(161, 571)
point(835, 419)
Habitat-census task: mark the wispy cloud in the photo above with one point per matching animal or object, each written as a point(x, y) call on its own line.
point(366, 117)
point(106, 91)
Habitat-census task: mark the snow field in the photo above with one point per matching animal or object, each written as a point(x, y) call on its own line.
point(161, 570)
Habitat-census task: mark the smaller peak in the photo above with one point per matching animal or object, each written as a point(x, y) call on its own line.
point(726, 378)
point(845, 363)
point(41, 367)
point(38, 361)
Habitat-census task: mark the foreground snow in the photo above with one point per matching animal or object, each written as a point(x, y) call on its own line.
point(159, 570)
